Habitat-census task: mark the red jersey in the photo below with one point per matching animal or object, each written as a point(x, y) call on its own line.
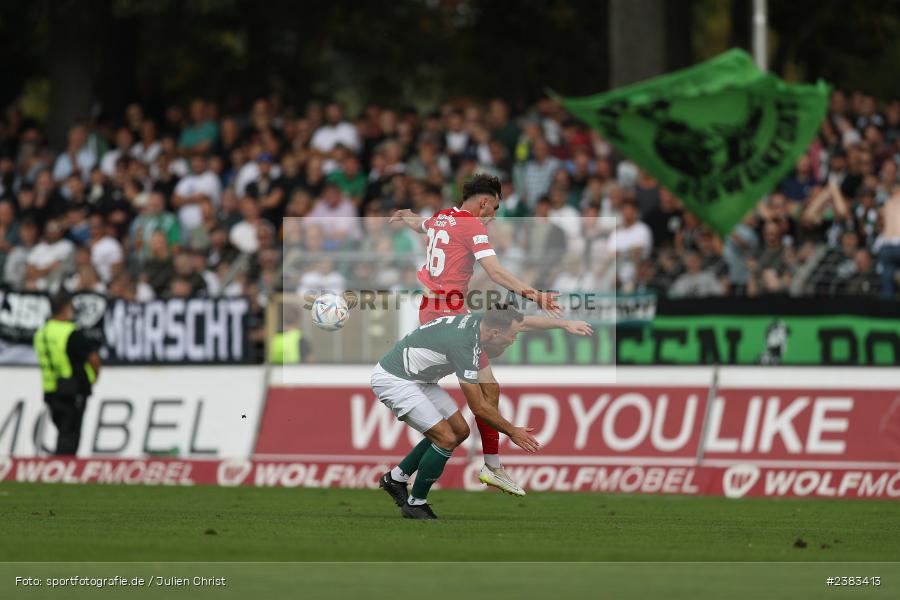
point(456, 239)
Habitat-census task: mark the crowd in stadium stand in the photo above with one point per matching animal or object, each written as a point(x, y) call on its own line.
point(192, 201)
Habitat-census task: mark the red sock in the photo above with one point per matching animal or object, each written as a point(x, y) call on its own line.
point(490, 438)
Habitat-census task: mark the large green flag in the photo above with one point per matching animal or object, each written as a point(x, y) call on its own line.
point(720, 135)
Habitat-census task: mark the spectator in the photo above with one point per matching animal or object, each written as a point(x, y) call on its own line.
point(268, 190)
point(778, 211)
point(695, 282)
point(185, 270)
point(198, 138)
point(646, 280)
point(633, 238)
point(336, 131)
point(159, 268)
point(200, 186)
point(771, 269)
point(546, 244)
point(889, 246)
point(220, 249)
point(147, 149)
point(566, 217)
point(47, 259)
point(76, 224)
point(826, 216)
point(9, 231)
point(646, 193)
point(710, 249)
point(800, 184)
point(631, 242)
point(79, 157)
point(124, 142)
point(350, 180)
point(740, 246)
point(106, 254)
point(229, 140)
point(569, 278)
point(456, 139)
point(665, 220)
point(321, 276)
point(154, 218)
point(179, 288)
point(538, 173)
point(864, 281)
point(292, 170)
point(336, 216)
point(865, 216)
point(245, 235)
point(503, 129)
point(16, 264)
point(84, 278)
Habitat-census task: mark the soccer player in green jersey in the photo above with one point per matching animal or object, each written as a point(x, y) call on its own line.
point(406, 381)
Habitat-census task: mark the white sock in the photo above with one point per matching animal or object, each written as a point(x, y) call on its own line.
point(414, 501)
point(492, 460)
point(398, 475)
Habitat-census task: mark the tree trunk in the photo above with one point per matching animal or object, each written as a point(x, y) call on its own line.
point(741, 35)
point(637, 37)
point(73, 57)
point(679, 24)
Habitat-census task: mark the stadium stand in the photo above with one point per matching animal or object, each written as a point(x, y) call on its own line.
point(192, 203)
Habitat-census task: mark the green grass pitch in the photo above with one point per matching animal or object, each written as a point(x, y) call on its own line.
point(93, 524)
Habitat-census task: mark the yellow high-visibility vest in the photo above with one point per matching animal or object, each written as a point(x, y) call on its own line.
point(285, 347)
point(50, 345)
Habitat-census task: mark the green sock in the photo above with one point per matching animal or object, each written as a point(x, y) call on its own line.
point(409, 464)
point(430, 468)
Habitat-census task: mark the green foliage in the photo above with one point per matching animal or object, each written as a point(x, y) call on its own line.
point(855, 45)
point(410, 51)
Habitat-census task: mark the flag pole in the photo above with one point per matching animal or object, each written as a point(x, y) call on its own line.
point(760, 30)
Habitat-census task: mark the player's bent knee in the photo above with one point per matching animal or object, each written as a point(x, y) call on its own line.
point(442, 435)
point(461, 435)
point(461, 429)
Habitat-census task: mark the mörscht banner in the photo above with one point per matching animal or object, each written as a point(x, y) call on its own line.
point(175, 330)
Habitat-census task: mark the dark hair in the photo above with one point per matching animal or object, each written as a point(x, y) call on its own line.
point(501, 316)
point(59, 302)
point(481, 184)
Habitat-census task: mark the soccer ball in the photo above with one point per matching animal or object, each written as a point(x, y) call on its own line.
point(330, 312)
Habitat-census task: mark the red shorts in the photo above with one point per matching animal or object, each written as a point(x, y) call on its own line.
point(433, 308)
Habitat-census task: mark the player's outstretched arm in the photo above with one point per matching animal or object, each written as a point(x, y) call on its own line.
point(533, 322)
point(409, 218)
point(481, 408)
point(500, 276)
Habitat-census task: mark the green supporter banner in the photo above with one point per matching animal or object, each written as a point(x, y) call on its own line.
point(720, 135)
point(773, 340)
point(715, 331)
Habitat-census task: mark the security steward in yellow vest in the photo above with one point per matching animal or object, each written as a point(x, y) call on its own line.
point(69, 367)
point(288, 348)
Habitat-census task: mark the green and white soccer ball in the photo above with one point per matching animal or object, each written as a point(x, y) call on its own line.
point(330, 311)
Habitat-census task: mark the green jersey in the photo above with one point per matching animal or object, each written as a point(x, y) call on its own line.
point(436, 349)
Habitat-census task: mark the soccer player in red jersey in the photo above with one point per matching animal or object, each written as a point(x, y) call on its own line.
point(457, 239)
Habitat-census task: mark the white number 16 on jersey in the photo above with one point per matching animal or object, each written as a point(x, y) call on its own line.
point(434, 256)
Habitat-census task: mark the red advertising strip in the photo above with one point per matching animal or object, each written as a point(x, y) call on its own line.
point(762, 442)
point(775, 442)
point(613, 423)
point(737, 481)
